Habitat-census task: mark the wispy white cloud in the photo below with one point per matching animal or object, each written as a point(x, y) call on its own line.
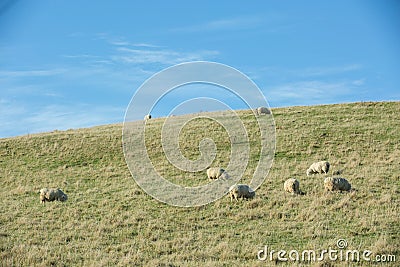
point(222, 24)
point(89, 60)
point(25, 120)
point(122, 41)
point(330, 70)
point(10, 115)
point(30, 73)
point(142, 56)
point(307, 72)
point(313, 92)
point(358, 82)
point(82, 56)
point(145, 45)
point(130, 44)
point(68, 95)
point(133, 53)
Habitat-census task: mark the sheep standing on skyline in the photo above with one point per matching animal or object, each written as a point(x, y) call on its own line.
point(147, 117)
point(262, 110)
point(318, 167)
point(292, 186)
point(336, 184)
point(216, 172)
point(241, 191)
point(52, 194)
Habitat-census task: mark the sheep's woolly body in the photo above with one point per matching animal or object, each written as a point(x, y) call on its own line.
point(318, 167)
point(262, 110)
point(147, 117)
point(52, 194)
point(241, 191)
point(292, 186)
point(336, 184)
point(215, 173)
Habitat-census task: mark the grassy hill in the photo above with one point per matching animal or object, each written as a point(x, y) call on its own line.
point(109, 221)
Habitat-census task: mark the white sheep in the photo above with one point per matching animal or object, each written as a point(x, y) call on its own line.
point(318, 167)
point(147, 117)
point(262, 110)
point(216, 172)
point(52, 194)
point(336, 184)
point(292, 186)
point(241, 191)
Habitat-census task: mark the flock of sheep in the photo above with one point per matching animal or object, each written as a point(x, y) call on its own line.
point(258, 111)
point(291, 185)
point(237, 191)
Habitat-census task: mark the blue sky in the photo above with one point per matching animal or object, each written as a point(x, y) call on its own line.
point(72, 64)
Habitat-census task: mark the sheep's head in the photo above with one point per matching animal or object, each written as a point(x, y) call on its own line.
point(252, 194)
point(63, 198)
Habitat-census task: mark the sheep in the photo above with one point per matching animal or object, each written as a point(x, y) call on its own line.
point(262, 110)
point(336, 184)
point(318, 167)
point(241, 191)
point(216, 172)
point(292, 186)
point(147, 117)
point(52, 194)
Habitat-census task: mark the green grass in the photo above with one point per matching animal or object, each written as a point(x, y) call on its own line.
point(109, 221)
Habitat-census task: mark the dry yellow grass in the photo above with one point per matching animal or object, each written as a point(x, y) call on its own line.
point(108, 220)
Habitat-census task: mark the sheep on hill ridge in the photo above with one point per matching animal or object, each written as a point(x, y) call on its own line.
point(262, 110)
point(147, 117)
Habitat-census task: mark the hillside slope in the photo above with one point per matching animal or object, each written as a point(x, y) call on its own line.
point(109, 220)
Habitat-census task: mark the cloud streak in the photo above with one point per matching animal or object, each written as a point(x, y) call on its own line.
point(30, 73)
point(313, 92)
point(21, 120)
point(124, 51)
point(238, 23)
point(166, 57)
point(84, 89)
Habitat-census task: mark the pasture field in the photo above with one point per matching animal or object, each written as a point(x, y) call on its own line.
point(109, 220)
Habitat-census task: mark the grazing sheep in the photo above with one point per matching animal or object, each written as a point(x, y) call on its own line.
point(318, 167)
point(292, 186)
point(147, 117)
point(262, 110)
point(216, 172)
point(336, 184)
point(241, 191)
point(52, 194)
